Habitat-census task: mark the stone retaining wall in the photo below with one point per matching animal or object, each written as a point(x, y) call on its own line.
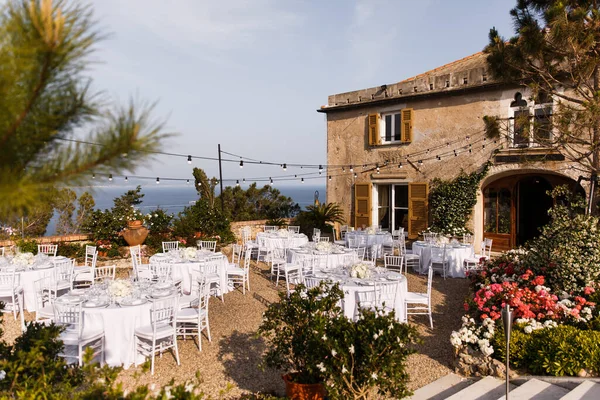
point(255, 226)
point(50, 239)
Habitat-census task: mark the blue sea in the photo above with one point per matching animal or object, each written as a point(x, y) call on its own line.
point(173, 198)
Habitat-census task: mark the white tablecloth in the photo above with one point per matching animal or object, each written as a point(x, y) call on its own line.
point(119, 324)
point(182, 268)
point(333, 260)
point(371, 239)
point(455, 255)
point(351, 286)
point(272, 241)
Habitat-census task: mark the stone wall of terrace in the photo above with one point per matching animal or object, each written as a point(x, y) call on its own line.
point(255, 226)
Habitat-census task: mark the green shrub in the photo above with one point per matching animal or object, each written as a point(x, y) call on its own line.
point(321, 217)
point(27, 246)
point(201, 221)
point(158, 221)
point(518, 346)
point(72, 250)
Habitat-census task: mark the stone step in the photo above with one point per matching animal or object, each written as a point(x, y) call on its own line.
point(487, 388)
point(535, 389)
point(587, 390)
point(442, 388)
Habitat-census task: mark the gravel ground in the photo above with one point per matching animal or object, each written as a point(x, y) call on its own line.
point(230, 362)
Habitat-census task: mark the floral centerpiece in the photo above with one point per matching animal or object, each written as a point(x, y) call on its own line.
point(370, 231)
point(120, 288)
point(23, 259)
point(361, 270)
point(283, 233)
point(323, 246)
point(189, 253)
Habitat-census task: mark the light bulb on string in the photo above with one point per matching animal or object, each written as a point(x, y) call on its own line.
point(157, 180)
point(320, 168)
point(377, 165)
point(284, 166)
point(355, 175)
point(237, 183)
point(351, 169)
point(189, 159)
point(241, 163)
point(420, 162)
point(271, 181)
point(400, 165)
point(329, 177)
point(93, 176)
point(187, 182)
point(244, 180)
point(302, 180)
point(110, 177)
point(126, 180)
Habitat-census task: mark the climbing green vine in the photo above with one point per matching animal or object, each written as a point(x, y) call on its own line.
point(451, 201)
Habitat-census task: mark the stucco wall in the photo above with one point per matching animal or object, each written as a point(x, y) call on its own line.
point(437, 121)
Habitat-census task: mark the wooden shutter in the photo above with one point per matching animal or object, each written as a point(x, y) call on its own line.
point(374, 135)
point(418, 193)
point(406, 132)
point(362, 204)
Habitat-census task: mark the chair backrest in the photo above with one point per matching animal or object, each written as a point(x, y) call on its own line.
point(103, 273)
point(398, 234)
point(48, 249)
point(311, 282)
point(236, 253)
point(319, 239)
point(294, 229)
point(162, 270)
point(467, 238)
point(247, 256)
point(278, 254)
point(366, 298)
point(203, 290)
point(168, 246)
point(42, 289)
point(429, 282)
point(210, 245)
point(394, 262)
point(343, 228)
point(163, 312)
point(210, 267)
point(361, 252)
point(270, 228)
point(386, 293)
point(439, 253)
point(316, 233)
point(136, 252)
point(246, 233)
point(63, 270)
point(69, 315)
point(9, 279)
point(487, 247)
point(90, 255)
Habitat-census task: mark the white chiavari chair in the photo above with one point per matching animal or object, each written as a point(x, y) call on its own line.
point(193, 320)
point(170, 246)
point(210, 273)
point(11, 291)
point(102, 274)
point(44, 310)
point(270, 228)
point(421, 302)
point(439, 260)
point(70, 316)
point(209, 245)
point(240, 275)
point(62, 276)
point(161, 334)
point(395, 263)
point(293, 229)
point(162, 270)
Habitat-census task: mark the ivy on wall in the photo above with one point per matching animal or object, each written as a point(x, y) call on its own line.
point(451, 201)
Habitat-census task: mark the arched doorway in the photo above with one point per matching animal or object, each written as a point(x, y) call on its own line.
point(515, 207)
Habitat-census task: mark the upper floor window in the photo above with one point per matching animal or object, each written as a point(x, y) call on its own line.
point(531, 125)
point(391, 127)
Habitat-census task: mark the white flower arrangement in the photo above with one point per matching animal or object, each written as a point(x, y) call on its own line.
point(24, 259)
point(370, 231)
point(189, 253)
point(120, 288)
point(283, 233)
point(360, 270)
point(323, 246)
point(476, 335)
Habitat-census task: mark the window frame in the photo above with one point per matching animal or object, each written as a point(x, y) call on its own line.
point(383, 126)
point(532, 141)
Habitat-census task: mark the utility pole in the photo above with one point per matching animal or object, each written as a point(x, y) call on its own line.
point(221, 179)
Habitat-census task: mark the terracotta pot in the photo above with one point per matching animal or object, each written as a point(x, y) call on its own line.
point(134, 224)
point(303, 391)
point(102, 253)
point(135, 236)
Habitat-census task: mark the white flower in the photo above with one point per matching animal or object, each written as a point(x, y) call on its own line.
point(189, 387)
point(2, 375)
point(344, 370)
point(324, 337)
point(155, 215)
point(333, 353)
point(153, 386)
point(321, 367)
point(374, 375)
point(528, 329)
point(375, 336)
point(351, 349)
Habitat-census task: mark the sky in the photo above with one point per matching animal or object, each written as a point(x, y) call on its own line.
point(250, 74)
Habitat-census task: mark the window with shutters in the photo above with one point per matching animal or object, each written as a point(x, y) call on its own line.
point(391, 127)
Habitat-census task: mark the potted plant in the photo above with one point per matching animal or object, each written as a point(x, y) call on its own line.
point(102, 247)
point(295, 327)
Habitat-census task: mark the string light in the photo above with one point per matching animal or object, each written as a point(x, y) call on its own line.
point(189, 159)
point(126, 180)
point(244, 180)
point(187, 182)
point(271, 179)
point(237, 183)
point(110, 177)
point(241, 163)
point(93, 176)
point(302, 180)
point(329, 177)
point(420, 162)
point(377, 165)
point(356, 175)
point(157, 180)
point(285, 167)
point(320, 168)
point(400, 165)
point(351, 169)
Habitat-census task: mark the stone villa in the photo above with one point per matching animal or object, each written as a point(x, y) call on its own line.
point(386, 143)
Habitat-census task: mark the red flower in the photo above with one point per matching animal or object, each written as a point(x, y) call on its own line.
point(588, 290)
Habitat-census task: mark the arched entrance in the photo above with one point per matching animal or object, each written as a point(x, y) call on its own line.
point(515, 207)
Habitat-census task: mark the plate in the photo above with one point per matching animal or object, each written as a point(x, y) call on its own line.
point(133, 302)
point(69, 299)
point(161, 293)
point(77, 292)
point(320, 275)
point(393, 276)
point(163, 285)
point(43, 266)
point(94, 304)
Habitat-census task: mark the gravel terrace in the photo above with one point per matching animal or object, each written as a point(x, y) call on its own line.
point(230, 363)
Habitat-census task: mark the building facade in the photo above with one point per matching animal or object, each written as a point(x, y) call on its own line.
point(386, 144)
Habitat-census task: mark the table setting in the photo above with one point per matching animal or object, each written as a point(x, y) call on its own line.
point(363, 276)
point(280, 239)
point(185, 259)
point(332, 255)
point(456, 253)
point(118, 307)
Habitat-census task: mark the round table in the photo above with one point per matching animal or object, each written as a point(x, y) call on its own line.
point(182, 268)
point(351, 286)
point(370, 239)
point(270, 241)
point(456, 254)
